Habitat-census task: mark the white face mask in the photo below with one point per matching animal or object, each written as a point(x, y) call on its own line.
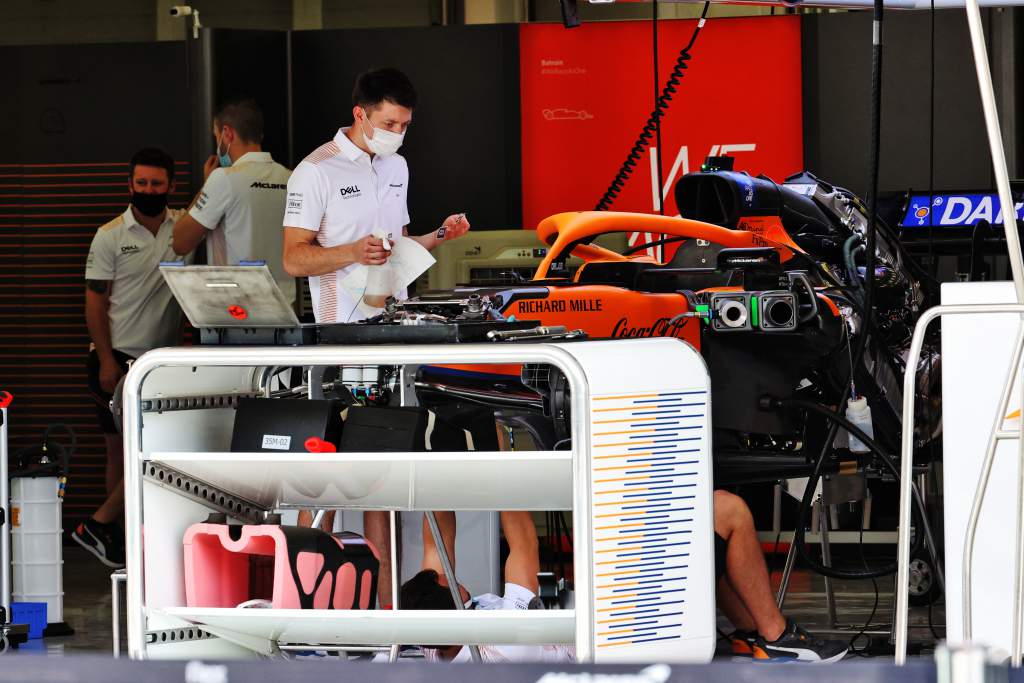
point(384, 142)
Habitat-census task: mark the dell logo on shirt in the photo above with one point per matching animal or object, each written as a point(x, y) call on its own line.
point(351, 190)
point(127, 249)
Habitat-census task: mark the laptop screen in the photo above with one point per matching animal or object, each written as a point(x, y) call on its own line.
point(229, 296)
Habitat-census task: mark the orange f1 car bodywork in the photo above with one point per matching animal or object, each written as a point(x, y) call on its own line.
point(796, 243)
point(622, 310)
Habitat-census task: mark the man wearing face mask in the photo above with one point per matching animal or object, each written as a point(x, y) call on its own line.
point(350, 187)
point(338, 197)
point(239, 209)
point(129, 310)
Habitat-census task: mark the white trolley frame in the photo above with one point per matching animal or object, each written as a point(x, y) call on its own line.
point(596, 371)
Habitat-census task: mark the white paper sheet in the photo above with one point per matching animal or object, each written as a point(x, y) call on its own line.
point(408, 260)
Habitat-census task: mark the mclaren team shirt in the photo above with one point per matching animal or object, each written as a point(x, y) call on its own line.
point(342, 195)
point(143, 313)
point(242, 207)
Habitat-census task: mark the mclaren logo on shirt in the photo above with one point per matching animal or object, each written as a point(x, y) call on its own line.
point(350, 191)
point(268, 186)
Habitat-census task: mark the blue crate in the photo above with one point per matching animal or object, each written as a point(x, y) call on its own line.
point(31, 613)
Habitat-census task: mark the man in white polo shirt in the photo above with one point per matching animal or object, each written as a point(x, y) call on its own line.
point(341, 194)
point(240, 206)
point(129, 310)
point(350, 187)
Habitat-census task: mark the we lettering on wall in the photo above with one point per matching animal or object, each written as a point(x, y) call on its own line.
point(586, 93)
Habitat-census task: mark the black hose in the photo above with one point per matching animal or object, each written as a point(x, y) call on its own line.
point(657, 81)
point(653, 125)
point(772, 403)
point(876, 125)
point(61, 454)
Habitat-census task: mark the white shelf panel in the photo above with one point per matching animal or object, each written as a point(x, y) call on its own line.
point(383, 627)
point(502, 480)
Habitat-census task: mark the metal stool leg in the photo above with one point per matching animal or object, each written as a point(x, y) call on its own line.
point(449, 573)
point(787, 570)
point(826, 557)
point(318, 518)
point(116, 578)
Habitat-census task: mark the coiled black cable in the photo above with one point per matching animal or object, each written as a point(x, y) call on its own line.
point(657, 80)
point(876, 134)
point(653, 125)
point(61, 454)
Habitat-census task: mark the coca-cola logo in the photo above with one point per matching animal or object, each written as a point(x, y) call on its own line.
point(662, 327)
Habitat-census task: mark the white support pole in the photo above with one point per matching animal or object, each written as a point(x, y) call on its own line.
point(901, 625)
point(396, 568)
point(1010, 228)
point(995, 143)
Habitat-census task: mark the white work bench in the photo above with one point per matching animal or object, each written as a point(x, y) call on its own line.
point(638, 478)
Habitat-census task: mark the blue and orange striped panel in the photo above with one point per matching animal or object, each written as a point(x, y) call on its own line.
point(647, 450)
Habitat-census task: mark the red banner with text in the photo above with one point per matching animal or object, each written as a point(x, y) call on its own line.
point(587, 92)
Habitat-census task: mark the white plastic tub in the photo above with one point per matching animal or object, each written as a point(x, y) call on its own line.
point(36, 536)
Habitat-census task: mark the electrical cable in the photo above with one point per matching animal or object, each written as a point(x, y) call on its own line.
point(774, 403)
point(653, 121)
point(874, 608)
point(657, 81)
point(876, 117)
point(931, 144)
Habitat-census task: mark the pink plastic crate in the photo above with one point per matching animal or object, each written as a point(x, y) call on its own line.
point(311, 568)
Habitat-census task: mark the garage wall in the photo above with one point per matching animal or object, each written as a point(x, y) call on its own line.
point(837, 99)
point(463, 148)
point(71, 117)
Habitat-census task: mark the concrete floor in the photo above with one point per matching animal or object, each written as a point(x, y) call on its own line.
point(87, 608)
